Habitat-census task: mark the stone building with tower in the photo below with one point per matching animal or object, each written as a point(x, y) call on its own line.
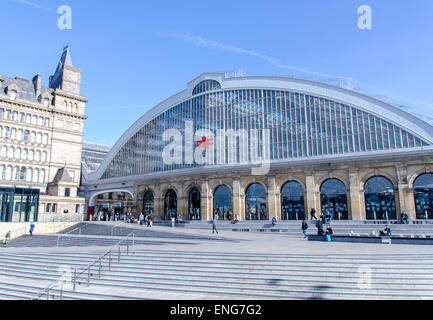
point(41, 138)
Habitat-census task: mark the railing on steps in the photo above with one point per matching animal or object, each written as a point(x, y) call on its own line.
point(115, 250)
point(13, 235)
point(80, 229)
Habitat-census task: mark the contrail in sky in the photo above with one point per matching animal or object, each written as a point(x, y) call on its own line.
point(203, 42)
point(35, 5)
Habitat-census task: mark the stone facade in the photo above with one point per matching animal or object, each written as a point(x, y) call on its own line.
point(401, 171)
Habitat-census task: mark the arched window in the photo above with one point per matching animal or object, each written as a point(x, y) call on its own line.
point(423, 192)
point(170, 205)
point(45, 139)
point(292, 201)
point(28, 118)
point(24, 155)
point(2, 172)
point(255, 203)
point(194, 202)
point(11, 152)
point(222, 203)
point(148, 203)
point(31, 155)
point(23, 173)
point(26, 135)
point(20, 135)
point(4, 151)
point(15, 174)
point(32, 137)
point(37, 155)
point(42, 176)
point(44, 156)
point(379, 199)
point(29, 175)
point(333, 199)
point(6, 133)
point(9, 173)
point(18, 153)
point(35, 175)
point(13, 133)
point(39, 138)
point(34, 119)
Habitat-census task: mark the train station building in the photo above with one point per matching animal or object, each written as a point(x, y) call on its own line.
point(264, 147)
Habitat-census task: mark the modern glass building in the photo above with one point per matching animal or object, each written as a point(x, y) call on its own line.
point(19, 205)
point(259, 147)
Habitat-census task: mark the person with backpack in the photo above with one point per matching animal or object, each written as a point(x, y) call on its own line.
point(304, 229)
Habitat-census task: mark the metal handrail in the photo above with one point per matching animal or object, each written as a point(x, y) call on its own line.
point(19, 232)
point(79, 228)
point(89, 266)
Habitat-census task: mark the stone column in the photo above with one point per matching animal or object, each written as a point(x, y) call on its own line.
point(272, 201)
point(238, 201)
point(206, 203)
point(404, 196)
point(182, 201)
point(356, 201)
point(158, 210)
point(311, 196)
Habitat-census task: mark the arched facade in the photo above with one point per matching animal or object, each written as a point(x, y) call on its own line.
point(293, 201)
point(333, 199)
point(270, 132)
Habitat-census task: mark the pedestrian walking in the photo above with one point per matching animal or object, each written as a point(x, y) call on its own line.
point(313, 214)
point(319, 226)
point(32, 229)
point(304, 229)
point(274, 221)
point(214, 224)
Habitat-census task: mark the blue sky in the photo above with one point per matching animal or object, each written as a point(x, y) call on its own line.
point(136, 53)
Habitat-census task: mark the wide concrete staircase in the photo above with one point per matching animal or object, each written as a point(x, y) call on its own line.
point(156, 274)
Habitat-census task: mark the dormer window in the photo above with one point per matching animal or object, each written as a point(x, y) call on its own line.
point(46, 102)
point(13, 95)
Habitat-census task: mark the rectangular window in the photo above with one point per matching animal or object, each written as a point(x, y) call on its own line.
point(77, 208)
point(67, 192)
point(54, 208)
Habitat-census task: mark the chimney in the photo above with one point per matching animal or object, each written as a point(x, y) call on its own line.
point(37, 83)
